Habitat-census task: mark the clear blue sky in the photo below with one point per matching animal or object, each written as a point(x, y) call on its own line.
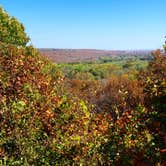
point(100, 24)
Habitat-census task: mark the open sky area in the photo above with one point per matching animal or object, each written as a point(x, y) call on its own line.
point(97, 24)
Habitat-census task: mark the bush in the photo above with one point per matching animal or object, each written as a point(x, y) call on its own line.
point(119, 95)
point(154, 81)
point(28, 99)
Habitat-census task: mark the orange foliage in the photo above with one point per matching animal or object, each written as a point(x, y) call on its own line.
point(119, 95)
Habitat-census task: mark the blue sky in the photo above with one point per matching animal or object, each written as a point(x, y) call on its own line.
point(99, 24)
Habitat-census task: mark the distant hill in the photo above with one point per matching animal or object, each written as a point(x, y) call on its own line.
point(89, 55)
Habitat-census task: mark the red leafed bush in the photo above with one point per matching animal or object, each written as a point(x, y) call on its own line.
point(119, 95)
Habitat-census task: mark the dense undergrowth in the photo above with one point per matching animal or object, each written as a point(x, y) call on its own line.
point(47, 118)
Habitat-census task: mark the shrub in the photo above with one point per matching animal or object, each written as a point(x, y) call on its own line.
point(119, 95)
point(154, 81)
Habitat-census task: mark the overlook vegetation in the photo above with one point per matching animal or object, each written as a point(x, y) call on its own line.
point(104, 113)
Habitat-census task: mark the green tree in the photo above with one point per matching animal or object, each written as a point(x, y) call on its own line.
point(11, 31)
point(165, 45)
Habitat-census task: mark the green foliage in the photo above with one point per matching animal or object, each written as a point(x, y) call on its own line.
point(164, 46)
point(11, 31)
point(98, 71)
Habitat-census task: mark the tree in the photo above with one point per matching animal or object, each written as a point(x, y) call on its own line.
point(11, 31)
point(165, 45)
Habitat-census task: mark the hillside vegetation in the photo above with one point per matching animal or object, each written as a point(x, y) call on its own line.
point(103, 113)
point(91, 55)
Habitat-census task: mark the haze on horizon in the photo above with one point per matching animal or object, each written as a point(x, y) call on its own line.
point(95, 24)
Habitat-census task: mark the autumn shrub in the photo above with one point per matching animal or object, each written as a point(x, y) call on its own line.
point(154, 81)
point(84, 89)
point(129, 141)
point(120, 94)
point(28, 99)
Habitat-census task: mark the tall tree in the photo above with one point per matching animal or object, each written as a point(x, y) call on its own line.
point(11, 31)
